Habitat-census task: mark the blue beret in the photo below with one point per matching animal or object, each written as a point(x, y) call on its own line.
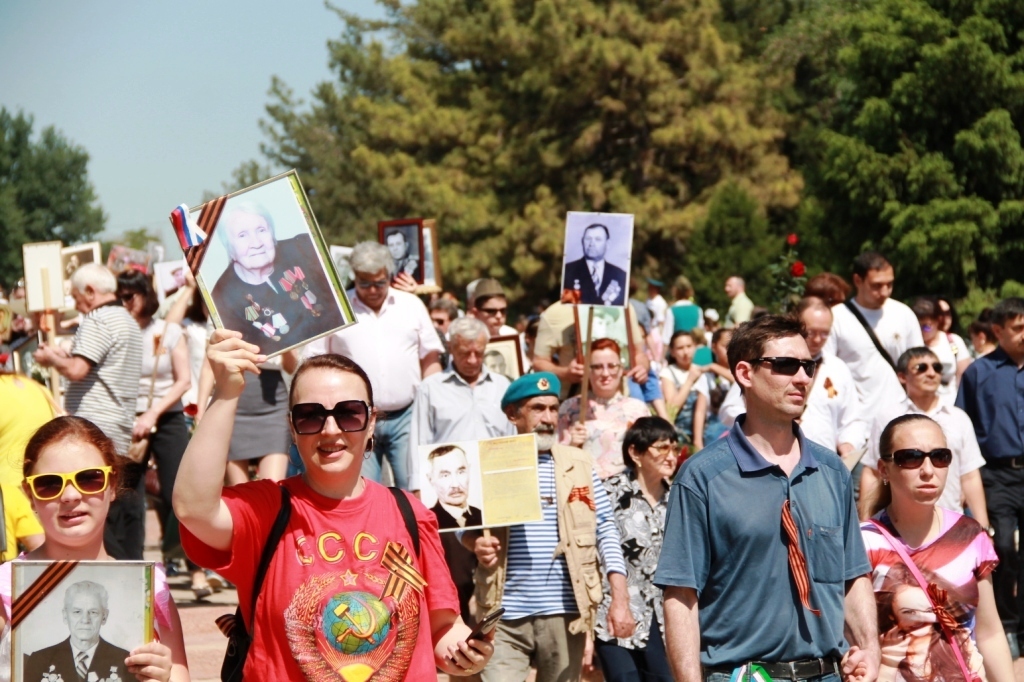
point(655, 282)
point(531, 386)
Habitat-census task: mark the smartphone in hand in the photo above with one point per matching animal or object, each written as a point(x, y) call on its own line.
point(485, 626)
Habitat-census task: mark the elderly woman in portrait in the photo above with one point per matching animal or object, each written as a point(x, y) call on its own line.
point(947, 628)
point(639, 496)
point(273, 291)
point(610, 411)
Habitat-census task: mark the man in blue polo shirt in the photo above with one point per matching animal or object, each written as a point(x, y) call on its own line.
point(762, 563)
point(992, 395)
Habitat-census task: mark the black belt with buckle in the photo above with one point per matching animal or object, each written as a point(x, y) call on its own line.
point(1006, 462)
point(792, 670)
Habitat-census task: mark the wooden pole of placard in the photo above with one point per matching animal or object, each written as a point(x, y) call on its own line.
point(629, 345)
point(49, 325)
point(585, 388)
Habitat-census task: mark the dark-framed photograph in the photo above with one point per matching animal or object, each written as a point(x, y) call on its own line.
point(103, 608)
point(595, 265)
point(44, 276)
point(340, 255)
point(264, 269)
point(404, 239)
point(74, 257)
point(610, 322)
point(478, 484)
point(431, 255)
point(504, 355)
point(123, 258)
point(168, 277)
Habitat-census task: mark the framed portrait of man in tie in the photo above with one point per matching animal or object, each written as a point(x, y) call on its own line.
point(78, 620)
point(595, 264)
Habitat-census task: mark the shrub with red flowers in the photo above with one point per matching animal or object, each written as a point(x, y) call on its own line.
point(790, 277)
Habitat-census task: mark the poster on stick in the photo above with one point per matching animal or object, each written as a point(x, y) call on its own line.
point(481, 484)
point(595, 264)
point(169, 276)
point(404, 239)
point(262, 265)
point(44, 279)
point(123, 258)
point(74, 257)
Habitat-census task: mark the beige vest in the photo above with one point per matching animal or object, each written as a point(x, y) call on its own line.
point(577, 540)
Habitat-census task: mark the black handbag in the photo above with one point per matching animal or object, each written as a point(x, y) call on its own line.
point(232, 625)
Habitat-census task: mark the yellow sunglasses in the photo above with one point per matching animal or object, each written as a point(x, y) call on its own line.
point(89, 481)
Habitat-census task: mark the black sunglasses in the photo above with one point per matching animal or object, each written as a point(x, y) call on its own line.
point(922, 367)
point(912, 458)
point(349, 415)
point(789, 366)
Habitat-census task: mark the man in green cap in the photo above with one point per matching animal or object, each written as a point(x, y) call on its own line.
point(546, 574)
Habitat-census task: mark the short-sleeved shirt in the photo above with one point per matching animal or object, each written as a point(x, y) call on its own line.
point(163, 336)
point(607, 423)
point(959, 432)
point(344, 590)
point(950, 349)
point(992, 394)
point(724, 539)
point(388, 344)
point(111, 341)
point(19, 520)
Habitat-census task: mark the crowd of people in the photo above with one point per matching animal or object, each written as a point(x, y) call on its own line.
point(833, 492)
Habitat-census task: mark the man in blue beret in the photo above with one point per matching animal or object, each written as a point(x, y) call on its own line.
point(546, 574)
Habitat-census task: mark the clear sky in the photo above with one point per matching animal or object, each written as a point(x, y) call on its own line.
point(166, 97)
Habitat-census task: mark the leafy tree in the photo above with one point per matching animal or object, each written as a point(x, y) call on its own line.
point(498, 116)
point(914, 146)
point(45, 193)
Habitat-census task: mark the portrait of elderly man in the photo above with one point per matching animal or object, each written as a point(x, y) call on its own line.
point(273, 291)
point(400, 249)
point(597, 281)
point(84, 654)
point(448, 473)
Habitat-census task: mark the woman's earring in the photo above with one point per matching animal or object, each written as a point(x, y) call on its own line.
point(885, 481)
point(369, 448)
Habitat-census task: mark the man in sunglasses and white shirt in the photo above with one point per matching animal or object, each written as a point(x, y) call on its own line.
point(395, 342)
point(920, 372)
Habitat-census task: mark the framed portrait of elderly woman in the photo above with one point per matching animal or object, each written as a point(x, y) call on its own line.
point(262, 265)
point(78, 620)
point(404, 239)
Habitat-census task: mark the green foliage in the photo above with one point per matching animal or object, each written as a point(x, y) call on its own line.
point(45, 192)
point(497, 116)
point(133, 239)
point(911, 139)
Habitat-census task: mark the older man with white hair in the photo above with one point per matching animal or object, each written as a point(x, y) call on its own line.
point(103, 371)
point(395, 342)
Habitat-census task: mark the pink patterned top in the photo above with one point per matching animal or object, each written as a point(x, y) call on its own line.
point(914, 647)
point(606, 428)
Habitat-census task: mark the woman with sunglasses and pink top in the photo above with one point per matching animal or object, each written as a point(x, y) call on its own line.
point(72, 474)
point(349, 589)
point(931, 567)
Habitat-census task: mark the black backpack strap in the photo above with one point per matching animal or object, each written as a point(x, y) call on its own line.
point(408, 515)
point(276, 532)
point(871, 333)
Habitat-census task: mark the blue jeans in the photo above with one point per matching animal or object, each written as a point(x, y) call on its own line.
point(648, 392)
point(391, 440)
point(649, 664)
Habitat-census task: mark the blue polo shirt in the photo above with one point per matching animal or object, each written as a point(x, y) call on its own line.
point(724, 538)
point(992, 395)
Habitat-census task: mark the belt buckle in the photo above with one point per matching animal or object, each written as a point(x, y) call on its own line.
point(1017, 463)
point(792, 670)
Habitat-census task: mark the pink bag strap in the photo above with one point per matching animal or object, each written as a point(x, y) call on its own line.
point(916, 572)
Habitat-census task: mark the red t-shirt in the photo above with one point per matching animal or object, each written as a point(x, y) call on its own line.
point(345, 594)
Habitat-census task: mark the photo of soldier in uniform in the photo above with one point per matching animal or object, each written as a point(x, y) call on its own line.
point(267, 272)
point(595, 267)
point(404, 239)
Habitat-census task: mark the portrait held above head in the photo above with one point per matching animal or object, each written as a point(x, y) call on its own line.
point(399, 245)
point(588, 275)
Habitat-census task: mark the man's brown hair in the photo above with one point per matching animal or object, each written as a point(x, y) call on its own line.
point(750, 338)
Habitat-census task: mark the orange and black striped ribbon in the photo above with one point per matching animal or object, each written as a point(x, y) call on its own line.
point(397, 560)
point(51, 576)
point(207, 222)
point(797, 560)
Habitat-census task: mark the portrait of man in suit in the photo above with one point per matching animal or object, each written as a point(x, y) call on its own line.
point(448, 473)
point(592, 279)
point(84, 651)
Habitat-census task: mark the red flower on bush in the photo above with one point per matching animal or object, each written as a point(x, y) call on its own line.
point(792, 239)
point(797, 269)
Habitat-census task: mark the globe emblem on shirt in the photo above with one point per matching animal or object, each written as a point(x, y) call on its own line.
point(356, 622)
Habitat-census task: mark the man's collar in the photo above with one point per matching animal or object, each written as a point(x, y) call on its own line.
point(1000, 357)
point(453, 375)
point(388, 300)
point(911, 406)
point(751, 461)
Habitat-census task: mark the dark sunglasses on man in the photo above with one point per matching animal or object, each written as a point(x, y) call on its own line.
point(922, 367)
point(788, 366)
point(349, 415)
point(911, 458)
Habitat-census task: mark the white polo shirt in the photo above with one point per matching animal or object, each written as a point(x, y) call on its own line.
point(387, 344)
point(897, 330)
point(960, 438)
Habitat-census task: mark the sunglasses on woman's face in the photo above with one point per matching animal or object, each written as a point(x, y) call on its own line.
point(913, 459)
point(87, 481)
point(349, 415)
point(789, 366)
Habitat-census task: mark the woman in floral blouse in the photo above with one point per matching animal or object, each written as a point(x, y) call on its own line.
point(639, 495)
